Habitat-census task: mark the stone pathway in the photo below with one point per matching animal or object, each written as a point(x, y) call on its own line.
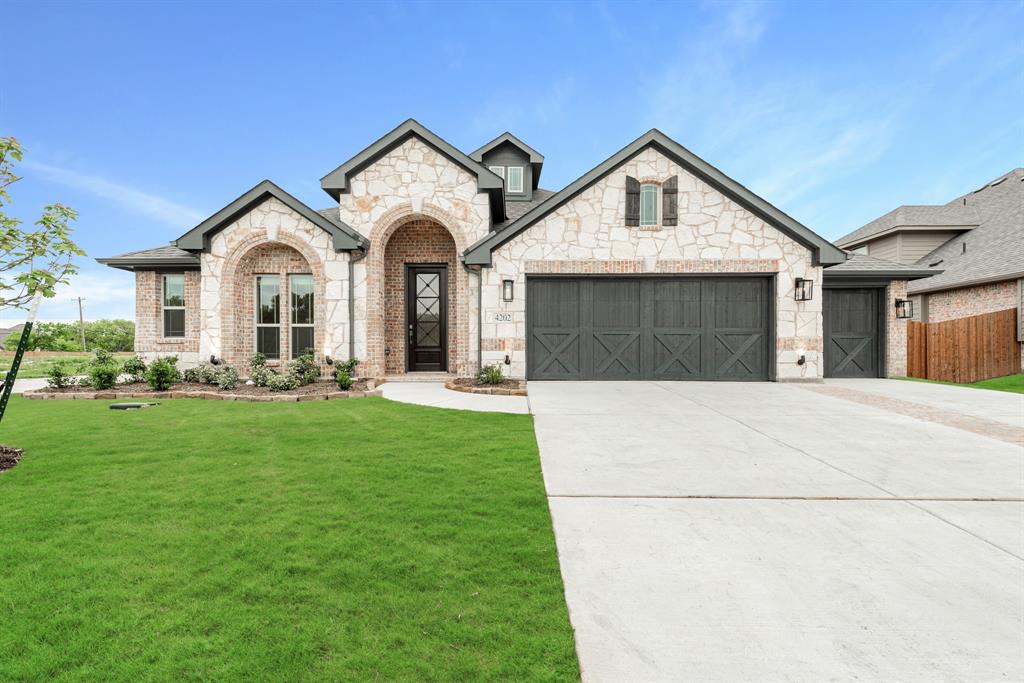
point(977, 425)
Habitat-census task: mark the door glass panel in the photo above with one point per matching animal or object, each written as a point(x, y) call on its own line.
point(428, 309)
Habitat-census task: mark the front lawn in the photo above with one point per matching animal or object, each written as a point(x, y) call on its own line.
point(1012, 383)
point(331, 540)
point(37, 365)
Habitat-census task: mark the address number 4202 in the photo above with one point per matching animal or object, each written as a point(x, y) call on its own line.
point(502, 317)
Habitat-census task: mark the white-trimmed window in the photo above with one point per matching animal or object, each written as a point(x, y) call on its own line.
point(498, 171)
point(174, 305)
point(514, 179)
point(268, 316)
point(648, 204)
point(300, 289)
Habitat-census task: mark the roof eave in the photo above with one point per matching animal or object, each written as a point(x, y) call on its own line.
point(895, 274)
point(131, 265)
point(969, 283)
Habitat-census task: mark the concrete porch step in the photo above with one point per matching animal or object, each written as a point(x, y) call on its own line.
point(420, 377)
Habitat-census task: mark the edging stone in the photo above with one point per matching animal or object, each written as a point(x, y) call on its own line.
point(489, 391)
point(42, 394)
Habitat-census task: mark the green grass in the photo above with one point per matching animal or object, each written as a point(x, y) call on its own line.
point(37, 366)
point(335, 540)
point(1012, 383)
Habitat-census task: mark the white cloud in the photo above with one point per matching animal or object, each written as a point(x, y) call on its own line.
point(106, 294)
point(129, 198)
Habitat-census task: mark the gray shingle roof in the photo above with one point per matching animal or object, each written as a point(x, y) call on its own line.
point(167, 256)
point(955, 215)
point(862, 264)
point(995, 249)
point(516, 210)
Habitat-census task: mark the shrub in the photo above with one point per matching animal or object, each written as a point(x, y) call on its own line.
point(103, 370)
point(136, 368)
point(343, 379)
point(58, 377)
point(163, 373)
point(227, 377)
point(257, 360)
point(349, 366)
point(490, 374)
point(204, 373)
point(305, 368)
point(193, 375)
point(260, 375)
point(286, 381)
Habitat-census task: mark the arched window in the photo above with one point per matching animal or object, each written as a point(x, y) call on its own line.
point(648, 204)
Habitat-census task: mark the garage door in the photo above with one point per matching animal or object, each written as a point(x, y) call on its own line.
point(676, 328)
point(852, 332)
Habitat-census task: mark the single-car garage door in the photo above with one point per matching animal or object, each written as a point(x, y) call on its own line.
point(654, 328)
point(853, 331)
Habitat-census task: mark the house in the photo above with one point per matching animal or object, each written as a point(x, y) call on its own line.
point(976, 239)
point(652, 265)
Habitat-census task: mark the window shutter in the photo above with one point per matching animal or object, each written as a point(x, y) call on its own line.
point(632, 201)
point(670, 201)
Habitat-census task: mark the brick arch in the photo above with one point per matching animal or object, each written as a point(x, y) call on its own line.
point(257, 254)
point(386, 287)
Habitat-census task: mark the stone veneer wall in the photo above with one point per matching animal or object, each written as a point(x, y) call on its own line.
point(714, 235)
point(412, 181)
point(149, 320)
point(417, 241)
point(269, 259)
point(977, 300)
point(896, 331)
point(226, 274)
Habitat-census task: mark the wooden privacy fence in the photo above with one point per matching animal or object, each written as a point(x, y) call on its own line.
point(964, 350)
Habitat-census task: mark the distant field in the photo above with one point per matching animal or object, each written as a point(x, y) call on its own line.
point(36, 364)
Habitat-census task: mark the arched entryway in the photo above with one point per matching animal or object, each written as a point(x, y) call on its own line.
point(274, 305)
point(421, 287)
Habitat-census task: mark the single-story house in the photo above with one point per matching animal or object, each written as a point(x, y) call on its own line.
point(652, 265)
point(977, 240)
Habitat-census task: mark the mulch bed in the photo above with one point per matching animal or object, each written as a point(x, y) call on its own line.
point(470, 385)
point(9, 457)
point(323, 389)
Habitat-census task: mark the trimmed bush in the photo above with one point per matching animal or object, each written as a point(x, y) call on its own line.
point(163, 373)
point(103, 370)
point(305, 368)
point(490, 374)
point(257, 360)
point(260, 375)
point(204, 373)
point(343, 379)
point(58, 377)
point(135, 367)
point(349, 366)
point(227, 377)
point(286, 381)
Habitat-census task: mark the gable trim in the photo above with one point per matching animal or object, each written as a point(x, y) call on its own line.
point(825, 253)
point(336, 182)
point(197, 239)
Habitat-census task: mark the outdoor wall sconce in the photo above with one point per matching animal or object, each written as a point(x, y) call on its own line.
point(329, 360)
point(802, 357)
point(506, 290)
point(804, 289)
point(904, 309)
point(508, 359)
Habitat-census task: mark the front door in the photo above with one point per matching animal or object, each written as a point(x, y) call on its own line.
point(426, 291)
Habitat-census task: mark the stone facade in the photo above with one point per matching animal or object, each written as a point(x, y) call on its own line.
point(149, 318)
point(714, 235)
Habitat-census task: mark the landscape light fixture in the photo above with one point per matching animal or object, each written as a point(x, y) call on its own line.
point(904, 309)
point(804, 289)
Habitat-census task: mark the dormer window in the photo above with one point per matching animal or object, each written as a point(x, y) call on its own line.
point(648, 204)
point(514, 179)
point(498, 171)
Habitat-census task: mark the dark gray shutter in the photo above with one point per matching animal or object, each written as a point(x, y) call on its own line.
point(670, 201)
point(632, 201)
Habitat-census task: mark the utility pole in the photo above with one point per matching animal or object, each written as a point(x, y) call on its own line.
point(81, 321)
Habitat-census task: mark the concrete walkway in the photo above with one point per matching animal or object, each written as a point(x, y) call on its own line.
point(764, 532)
point(434, 394)
point(22, 385)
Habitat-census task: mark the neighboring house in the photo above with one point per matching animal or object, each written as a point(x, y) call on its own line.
point(977, 240)
point(653, 265)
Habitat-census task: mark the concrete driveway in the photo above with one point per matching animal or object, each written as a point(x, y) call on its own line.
point(769, 532)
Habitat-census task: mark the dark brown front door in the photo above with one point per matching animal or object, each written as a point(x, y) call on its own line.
point(426, 292)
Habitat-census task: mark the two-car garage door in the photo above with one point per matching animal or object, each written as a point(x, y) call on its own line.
point(656, 328)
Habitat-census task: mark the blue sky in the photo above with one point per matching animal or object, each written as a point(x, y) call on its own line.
point(148, 117)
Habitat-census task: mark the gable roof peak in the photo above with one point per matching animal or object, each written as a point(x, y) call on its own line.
point(536, 158)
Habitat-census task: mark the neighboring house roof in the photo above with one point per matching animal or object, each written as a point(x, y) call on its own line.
point(536, 158)
point(862, 265)
point(994, 250)
point(336, 183)
point(824, 251)
point(344, 237)
point(147, 259)
point(914, 217)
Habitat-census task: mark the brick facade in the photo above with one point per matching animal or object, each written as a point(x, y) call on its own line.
point(896, 331)
point(149, 319)
point(967, 301)
point(423, 241)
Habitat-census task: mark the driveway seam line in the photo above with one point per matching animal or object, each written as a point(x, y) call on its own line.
point(854, 476)
point(806, 498)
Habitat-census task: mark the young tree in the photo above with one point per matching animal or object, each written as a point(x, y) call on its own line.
point(32, 261)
